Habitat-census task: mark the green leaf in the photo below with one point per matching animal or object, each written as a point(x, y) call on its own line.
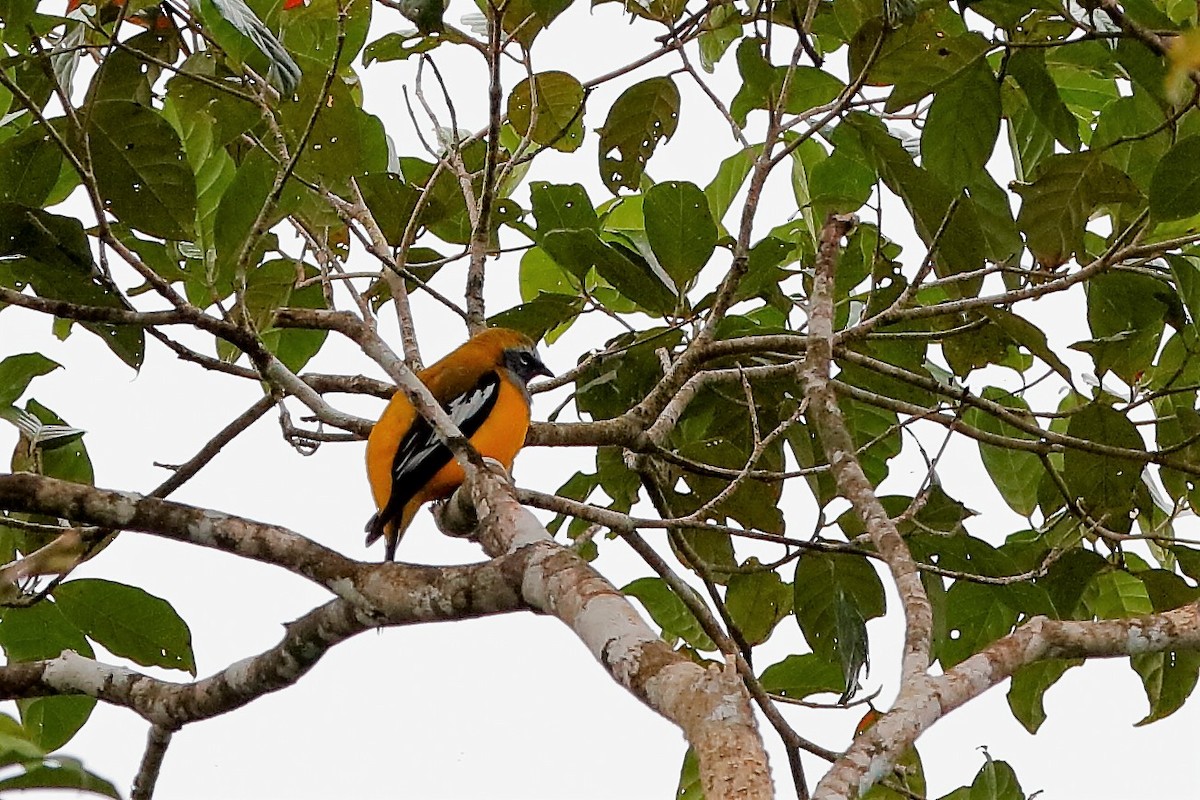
point(1066, 190)
point(17, 371)
point(271, 286)
point(955, 146)
point(1028, 687)
point(540, 315)
point(669, 612)
point(60, 773)
point(1185, 271)
point(244, 33)
point(562, 207)
point(756, 602)
point(832, 592)
point(645, 114)
point(140, 169)
point(1027, 66)
point(1016, 473)
point(37, 632)
point(345, 140)
point(714, 549)
point(1067, 580)
point(624, 269)
point(764, 271)
point(1126, 313)
point(188, 98)
point(1169, 679)
point(129, 72)
point(239, 208)
point(1029, 336)
point(842, 183)
point(731, 174)
point(873, 430)
point(525, 19)
point(30, 163)
point(1116, 594)
point(1003, 239)
point(391, 202)
point(541, 274)
point(1188, 559)
point(680, 228)
point(128, 622)
point(996, 781)
point(920, 57)
point(50, 253)
point(1123, 133)
point(1029, 140)
point(15, 746)
point(977, 615)
point(54, 721)
point(1103, 484)
point(762, 84)
point(548, 108)
point(722, 28)
point(1175, 186)
point(974, 349)
point(805, 159)
point(610, 384)
point(804, 675)
point(962, 245)
point(311, 30)
point(689, 787)
point(399, 46)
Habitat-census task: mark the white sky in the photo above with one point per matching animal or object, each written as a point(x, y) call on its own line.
point(507, 707)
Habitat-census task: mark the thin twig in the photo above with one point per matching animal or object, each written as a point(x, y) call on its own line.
point(157, 741)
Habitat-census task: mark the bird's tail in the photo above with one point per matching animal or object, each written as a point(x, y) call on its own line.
point(378, 528)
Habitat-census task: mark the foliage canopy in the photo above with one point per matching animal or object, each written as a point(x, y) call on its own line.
point(234, 180)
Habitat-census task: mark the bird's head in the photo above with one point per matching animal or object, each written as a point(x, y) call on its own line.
point(525, 363)
point(515, 352)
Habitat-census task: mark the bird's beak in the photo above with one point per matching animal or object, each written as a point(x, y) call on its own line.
point(542, 369)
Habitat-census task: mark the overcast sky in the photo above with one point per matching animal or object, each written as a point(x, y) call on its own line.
point(505, 707)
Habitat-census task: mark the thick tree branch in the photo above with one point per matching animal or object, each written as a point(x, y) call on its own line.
point(875, 751)
point(709, 704)
point(451, 593)
point(847, 471)
point(386, 589)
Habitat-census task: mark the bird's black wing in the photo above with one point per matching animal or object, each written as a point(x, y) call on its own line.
point(421, 453)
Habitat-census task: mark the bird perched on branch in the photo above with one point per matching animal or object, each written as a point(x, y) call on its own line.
point(483, 386)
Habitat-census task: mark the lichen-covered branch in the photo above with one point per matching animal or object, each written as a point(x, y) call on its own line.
point(710, 704)
point(873, 752)
point(852, 482)
point(463, 592)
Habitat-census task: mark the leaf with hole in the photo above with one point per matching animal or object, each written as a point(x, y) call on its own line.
point(645, 115)
point(141, 173)
point(128, 622)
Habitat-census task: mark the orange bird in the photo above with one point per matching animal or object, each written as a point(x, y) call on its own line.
point(483, 386)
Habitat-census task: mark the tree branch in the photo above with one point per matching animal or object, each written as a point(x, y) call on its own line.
point(157, 741)
point(852, 483)
point(709, 704)
point(874, 751)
